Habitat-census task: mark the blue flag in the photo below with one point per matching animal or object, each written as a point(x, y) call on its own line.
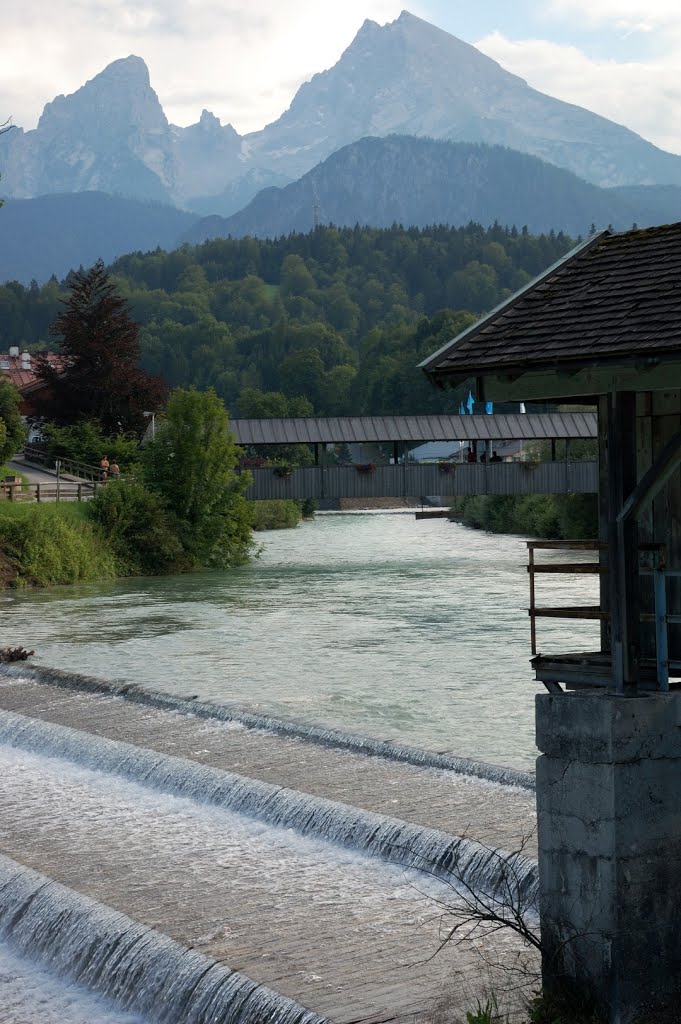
point(462, 410)
point(470, 404)
point(489, 407)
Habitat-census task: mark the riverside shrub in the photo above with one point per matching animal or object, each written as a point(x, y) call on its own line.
point(191, 466)
point(49, 544)
point(550, 516)
point(136, 530)
point(276, 515)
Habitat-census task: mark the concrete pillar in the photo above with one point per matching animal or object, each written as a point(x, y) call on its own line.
point(609, 830)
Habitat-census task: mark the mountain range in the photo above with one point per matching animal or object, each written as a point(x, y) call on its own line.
point(419, 182)
point(407, 77)
point(411, 125)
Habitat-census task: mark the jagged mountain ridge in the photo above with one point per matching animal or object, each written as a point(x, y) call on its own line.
point(407, 77)
point(420, 182)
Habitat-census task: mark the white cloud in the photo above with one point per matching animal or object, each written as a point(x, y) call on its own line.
point(242, 60)
point(629, 15)
point(645, 96)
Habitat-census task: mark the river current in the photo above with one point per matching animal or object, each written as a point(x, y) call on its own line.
point(376, 623)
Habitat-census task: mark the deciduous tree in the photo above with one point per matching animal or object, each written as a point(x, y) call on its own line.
point(12, 430)
point(191, 464)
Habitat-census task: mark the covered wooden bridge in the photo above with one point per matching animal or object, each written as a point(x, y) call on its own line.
point(402, 477)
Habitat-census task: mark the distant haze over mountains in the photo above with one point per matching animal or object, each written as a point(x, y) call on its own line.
point(410, 126)
point(420, 182)
point(407, 77)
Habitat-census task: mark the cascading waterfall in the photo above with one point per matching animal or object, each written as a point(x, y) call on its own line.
point(459, 860)
point(135, 967)
point(312, 733)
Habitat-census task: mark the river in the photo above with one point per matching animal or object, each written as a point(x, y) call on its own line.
point(376, 623)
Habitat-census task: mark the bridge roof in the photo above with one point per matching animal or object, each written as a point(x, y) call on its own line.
point(358, 429)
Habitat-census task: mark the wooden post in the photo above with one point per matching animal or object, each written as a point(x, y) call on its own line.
point(622, 542)
point(37, 492)
point(10, 491)
point(553, 450)
point(80, 492)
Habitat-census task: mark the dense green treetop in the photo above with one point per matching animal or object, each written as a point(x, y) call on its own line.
point(191, 466)
point(12, 430)
point(338, 317)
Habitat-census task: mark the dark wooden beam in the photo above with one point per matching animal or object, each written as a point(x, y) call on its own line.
point(653, 480)
point(623, 542)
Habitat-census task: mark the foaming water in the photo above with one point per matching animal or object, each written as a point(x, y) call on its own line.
point(134, 967)
point(412, 631)
point(30, 994)
point(456, 859)
point(316, 922)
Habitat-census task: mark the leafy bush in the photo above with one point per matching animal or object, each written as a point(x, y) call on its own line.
point(136, 530)
point(85, 442)
point(52, 544)
point(549, 516)
point(12, 430)
point(191, 465)
point(276, 515)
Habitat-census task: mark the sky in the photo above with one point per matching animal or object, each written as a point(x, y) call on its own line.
point(244, 59)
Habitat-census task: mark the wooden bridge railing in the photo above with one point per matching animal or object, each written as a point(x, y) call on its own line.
point(70, 467)
point(404, 480)
point(595, 668)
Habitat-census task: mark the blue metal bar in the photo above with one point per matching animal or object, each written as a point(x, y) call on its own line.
point(660, 586)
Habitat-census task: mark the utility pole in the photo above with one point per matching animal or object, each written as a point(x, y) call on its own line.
point(316, 208)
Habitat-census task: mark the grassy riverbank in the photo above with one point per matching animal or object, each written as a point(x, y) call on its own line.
point(122, 534)
point(47, 544)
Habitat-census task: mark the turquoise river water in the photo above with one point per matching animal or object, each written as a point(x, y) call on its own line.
point(376, 623)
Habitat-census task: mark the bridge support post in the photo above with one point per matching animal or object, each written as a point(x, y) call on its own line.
point(609, 806)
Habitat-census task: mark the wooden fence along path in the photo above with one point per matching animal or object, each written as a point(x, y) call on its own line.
point(64, 490)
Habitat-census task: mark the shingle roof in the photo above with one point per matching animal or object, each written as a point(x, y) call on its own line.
point(616, 296)
point(23, 376)
point(358, 429)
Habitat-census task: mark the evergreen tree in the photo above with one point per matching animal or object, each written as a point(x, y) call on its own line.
point(99, 378)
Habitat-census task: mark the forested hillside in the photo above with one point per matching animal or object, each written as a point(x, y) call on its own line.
point(414, 181)
point(333, 321)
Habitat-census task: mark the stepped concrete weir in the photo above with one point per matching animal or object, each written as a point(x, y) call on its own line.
point(315, 875)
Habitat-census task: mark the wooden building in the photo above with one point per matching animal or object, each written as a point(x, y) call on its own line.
point(603, 327)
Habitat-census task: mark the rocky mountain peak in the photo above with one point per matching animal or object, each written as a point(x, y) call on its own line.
point(120, 94)
point(208, 121)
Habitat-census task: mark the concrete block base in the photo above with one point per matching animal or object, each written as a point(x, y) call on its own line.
point(609, 830)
